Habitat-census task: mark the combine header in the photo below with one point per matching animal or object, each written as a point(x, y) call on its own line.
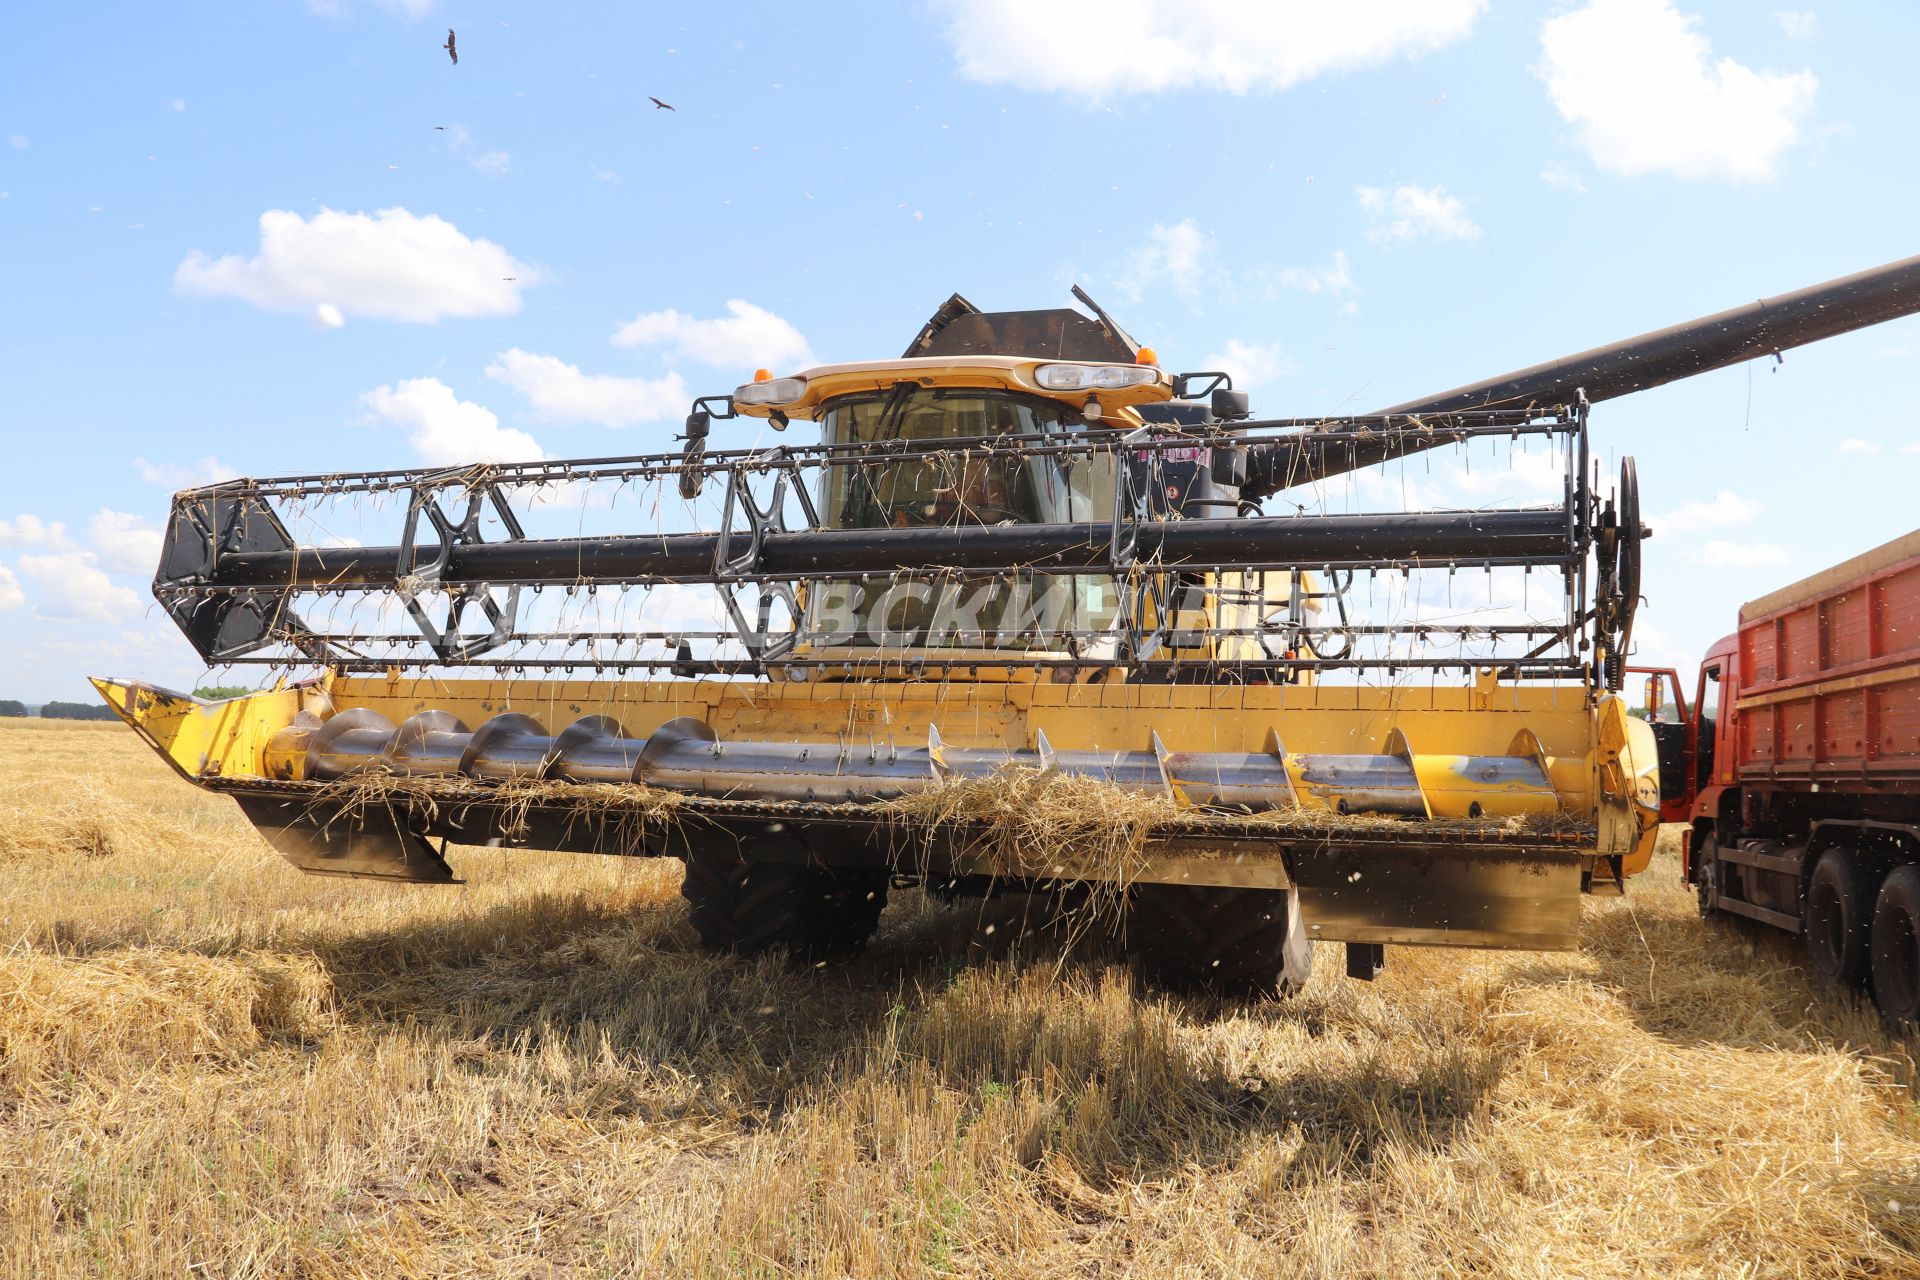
point(1018, 621)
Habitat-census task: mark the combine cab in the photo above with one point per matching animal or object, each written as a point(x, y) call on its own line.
point(1018, 620)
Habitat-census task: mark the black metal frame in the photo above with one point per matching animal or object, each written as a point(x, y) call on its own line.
point(231, 575)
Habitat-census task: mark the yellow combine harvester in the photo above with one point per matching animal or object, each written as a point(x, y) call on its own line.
point(1024, 577)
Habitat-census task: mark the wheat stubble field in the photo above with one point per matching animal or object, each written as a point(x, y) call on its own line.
point(213, 1066)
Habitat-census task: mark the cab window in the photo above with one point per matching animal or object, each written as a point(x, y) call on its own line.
point(1707, 702)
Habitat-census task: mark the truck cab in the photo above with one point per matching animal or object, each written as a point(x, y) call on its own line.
point(1687, 728)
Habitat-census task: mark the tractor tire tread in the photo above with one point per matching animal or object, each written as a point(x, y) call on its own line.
point(1225, 941)
point(1895, 958)
point(810, 913)
point(1843, 878)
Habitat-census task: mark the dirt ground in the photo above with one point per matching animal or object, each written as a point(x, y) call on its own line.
point(212, 1066)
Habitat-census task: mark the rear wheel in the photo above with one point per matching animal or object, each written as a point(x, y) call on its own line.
point(1230, 942)
point(1840, 898)
point(1705, 867)
point(1896, 947)
point(812, 913)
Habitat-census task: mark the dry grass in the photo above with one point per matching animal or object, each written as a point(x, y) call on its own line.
point(211, 1066)
point(1035, 824)
point(630, 810)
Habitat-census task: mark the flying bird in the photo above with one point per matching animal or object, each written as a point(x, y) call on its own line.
point(659, 105)
point(451, 51)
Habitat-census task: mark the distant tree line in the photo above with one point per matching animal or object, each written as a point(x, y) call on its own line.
point(100, 711)
point(75, 711)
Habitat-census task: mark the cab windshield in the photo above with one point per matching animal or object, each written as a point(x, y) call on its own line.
point(935, 480)
point(919, 459)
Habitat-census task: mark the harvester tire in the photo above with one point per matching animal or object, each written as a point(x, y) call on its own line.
point(1226, 942)
point(810, 913)
point(1839, 918)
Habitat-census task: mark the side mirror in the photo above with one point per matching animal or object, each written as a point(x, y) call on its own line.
point(1652, 699)
point(699, 423)
point(1230, 405)
point(1191, 386)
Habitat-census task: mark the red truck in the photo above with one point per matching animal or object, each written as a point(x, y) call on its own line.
point(1796, 766)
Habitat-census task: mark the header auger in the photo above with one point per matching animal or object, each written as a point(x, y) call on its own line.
point(1021, 561)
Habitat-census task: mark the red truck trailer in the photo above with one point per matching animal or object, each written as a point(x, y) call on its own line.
point(1796, 764)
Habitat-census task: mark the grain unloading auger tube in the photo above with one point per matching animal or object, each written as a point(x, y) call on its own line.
point(1021, 562)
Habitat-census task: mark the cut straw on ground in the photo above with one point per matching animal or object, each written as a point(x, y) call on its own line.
point(212, 1066)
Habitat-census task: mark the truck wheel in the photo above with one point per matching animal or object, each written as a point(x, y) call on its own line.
point(811, 913)
point(1229, 942)
point(1705, 868)
point(1839, 916)
point(1896, 947)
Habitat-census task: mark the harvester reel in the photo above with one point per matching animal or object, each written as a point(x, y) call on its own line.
point(1617, 596)
point(1631, 533)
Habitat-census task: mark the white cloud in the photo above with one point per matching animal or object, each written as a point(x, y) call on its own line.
point(1854, 444)
point(1093, 48)
point(1252, 363)
point(1638, 82)
point(559, 391)
point(391, 265)
point(1335, 278)
point(1799, 24)
point(30, 532)
point(178, 104)
point(494, 164)
point(1724, 508)
point(328, 316)
point(1416, 213)
point(1535, 473)
point(413, 9)
point(18, 141)
point(1561, 178)
point(449, 432)
point(750, 337)
point(11, 596)
point(1489, 476)
point(1652, 647)
point(72, 586)
point(191, 475)
point(1180, 254)
point(608, 176)
point(1741, 555)
point(124, 541)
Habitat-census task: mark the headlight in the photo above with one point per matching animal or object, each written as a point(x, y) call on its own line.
point(1104, 377)
point(774, 391)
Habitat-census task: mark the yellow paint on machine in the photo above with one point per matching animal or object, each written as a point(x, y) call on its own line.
point(1482, 750)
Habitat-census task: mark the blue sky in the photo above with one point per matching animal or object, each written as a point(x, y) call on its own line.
point(1353, 204)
